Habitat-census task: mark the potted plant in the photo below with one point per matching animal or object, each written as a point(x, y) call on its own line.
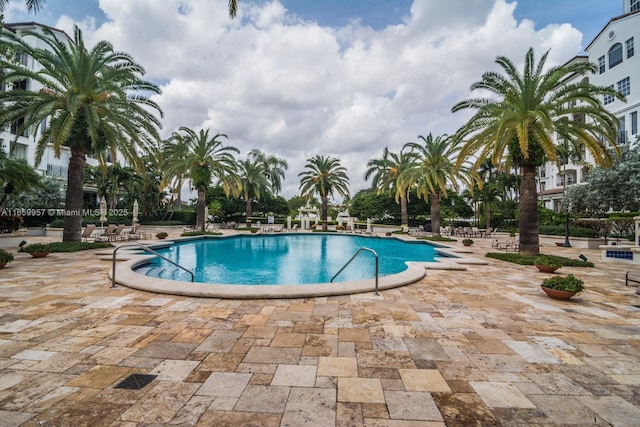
point(161, 235)
point(562, 287)
point(37, 250)
point(547, 264)
point(5, 258)
point(467, 242)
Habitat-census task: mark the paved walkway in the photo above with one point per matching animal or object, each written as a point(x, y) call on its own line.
point(483, 347)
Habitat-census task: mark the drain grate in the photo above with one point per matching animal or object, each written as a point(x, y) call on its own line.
point(136, 381)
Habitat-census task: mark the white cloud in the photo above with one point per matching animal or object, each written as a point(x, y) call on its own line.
point(289, 87)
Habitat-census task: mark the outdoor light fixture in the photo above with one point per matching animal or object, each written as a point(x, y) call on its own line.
point(21, 244)
point(582, 257)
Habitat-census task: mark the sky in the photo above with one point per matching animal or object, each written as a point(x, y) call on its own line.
point(340, 78)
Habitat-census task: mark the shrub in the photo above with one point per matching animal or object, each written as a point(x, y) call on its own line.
point(5, 257)
point(56, 223)
point(568, 283)
point(200, 233)
point(436, 239)
point(467, 242)
point(558, 230)
point(36, 247)
point(548, 261)
point(530, 260)
point(161, 235)
point(77, 246)
point(10, 223)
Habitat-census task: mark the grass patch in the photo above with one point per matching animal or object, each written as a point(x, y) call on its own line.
point(77, 246)
point(200, 233)
point(530, 260)
point(437, 239)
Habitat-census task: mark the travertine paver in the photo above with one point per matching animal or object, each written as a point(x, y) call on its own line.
point(478, 347)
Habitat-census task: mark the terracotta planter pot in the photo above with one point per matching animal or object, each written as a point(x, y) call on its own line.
point(39, 254)
point(556, 294)
point(546, 269)
point(2, 264)
point(559, 243)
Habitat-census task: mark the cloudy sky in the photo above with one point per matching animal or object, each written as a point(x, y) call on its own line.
point(345, 78)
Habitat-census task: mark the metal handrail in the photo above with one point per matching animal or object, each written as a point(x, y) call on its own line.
point(375, 254)
point(146, 249)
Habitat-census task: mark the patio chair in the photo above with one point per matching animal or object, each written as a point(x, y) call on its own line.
point(132, 233)
point(87, 232)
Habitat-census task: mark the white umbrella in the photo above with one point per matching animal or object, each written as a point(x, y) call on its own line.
point(103, 211)
point(206, 215)
point(135, 211)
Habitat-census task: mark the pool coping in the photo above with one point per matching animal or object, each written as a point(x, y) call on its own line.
point(127, 276)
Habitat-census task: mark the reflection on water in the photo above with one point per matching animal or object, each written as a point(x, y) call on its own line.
point(288, 259)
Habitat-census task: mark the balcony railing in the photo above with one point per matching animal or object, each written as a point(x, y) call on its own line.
point(57, 170)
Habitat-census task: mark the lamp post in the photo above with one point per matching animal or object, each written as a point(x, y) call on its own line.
point(566, 243)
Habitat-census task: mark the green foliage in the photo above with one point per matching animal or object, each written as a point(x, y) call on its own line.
point(548, 261)
point(436, 238)
point(530, 260)
point(77, 246)
point(36, 247)
point(56, 223)
point(184, 217)
point(467, 242)
point(200, 233)
point(5, 257)
point(596, 198)
point(162, 235)
point(558, 230)
point(10, 223)
point(568, 283)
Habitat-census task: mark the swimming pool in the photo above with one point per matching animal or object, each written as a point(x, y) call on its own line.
point(287, 259)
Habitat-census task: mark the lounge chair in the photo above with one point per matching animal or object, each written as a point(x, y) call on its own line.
point(87, 232)
point(106, 235)
point(117, 233)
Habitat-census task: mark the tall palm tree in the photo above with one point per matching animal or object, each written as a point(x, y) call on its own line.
point(274, 168)
point(323, 176)
point(385, 173)
point(92, 101)
point(432, 171)
point(204, 158)
point(527, 110)
point(232, 6)
point(254, 182)
point(35, 5)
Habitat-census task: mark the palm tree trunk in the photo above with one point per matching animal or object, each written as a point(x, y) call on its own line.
point(249, 209)
point(487, 214)
point(200, 210)
point(404, 213)
point(72, 222)
point(528, 227)
point(435, 214)
point(324, 211)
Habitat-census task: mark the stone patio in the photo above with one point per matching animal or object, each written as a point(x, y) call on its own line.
point(482, 347)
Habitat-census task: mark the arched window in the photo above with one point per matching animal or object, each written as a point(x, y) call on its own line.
point(615, 55)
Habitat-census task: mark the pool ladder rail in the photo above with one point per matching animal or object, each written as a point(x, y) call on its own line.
point(375, 254)
point(146, 249)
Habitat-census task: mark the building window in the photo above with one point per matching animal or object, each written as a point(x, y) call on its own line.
point(624, 86)
point(601, 65)
point(634, 123)
point(629, 44)
point(635, 5)
point(615, 55)
point(608, 99)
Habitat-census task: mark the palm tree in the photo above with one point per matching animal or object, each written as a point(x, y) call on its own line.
point(204, 158)
point(92, 101)
point(232, 6)
point(254, 182)
point(520, 122)
point(323, 176)
point(432, 170)
point(385, 172)
point(274, 168)
point(35, 5)
point(16, 176)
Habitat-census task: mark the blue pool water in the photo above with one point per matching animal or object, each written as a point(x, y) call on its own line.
point(286, 258)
